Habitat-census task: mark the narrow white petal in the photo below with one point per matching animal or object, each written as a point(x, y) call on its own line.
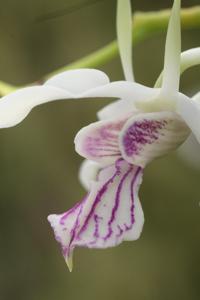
point(189, 58)
point(171, 73)
point(110, 214)
point(124, 37)
point(145, 137)
point(88, 173)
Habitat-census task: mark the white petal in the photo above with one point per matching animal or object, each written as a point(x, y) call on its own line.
point(110, 214)
point(145, 137)
point(171, 73)
point(99, 141)
point(124, 37)
point(189, 58)
point(189, 152)
point(196, 97)
point(189, 110)
point(117, 109)
point(88, 173)
point(16, 106)
point(124, 90)
point(78, 81)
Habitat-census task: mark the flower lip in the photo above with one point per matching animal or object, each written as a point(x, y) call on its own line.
point(110, 214)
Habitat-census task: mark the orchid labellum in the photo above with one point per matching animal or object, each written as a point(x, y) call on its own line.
point(143, 124)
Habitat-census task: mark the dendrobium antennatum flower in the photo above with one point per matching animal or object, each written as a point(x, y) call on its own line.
point(143, 124)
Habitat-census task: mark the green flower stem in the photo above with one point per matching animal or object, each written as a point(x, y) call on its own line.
point(145, 24)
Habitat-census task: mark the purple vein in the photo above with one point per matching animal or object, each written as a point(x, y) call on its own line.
point(137, 173)
point(100, 194)
point(117, 201)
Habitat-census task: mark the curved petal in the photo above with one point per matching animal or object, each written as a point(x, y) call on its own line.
point(189, 109)
point(117, 109)
point(147, 136)
point(78, 81)
point(171, 72)
point(189, 152)
point(88, 173)
point(196, 97)
point(189, 58)
point(125, 90)
point(124, 37)
point(99, 141)
point(16, 106)
point(110, 214)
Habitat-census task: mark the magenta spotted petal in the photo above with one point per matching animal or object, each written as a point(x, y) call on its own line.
point(110, 214)
point(147, 136)
point(138, 138)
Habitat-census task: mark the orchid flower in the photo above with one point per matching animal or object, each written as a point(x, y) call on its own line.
point(143, 124)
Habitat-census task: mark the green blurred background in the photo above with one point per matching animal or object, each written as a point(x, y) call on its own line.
point(38, 168)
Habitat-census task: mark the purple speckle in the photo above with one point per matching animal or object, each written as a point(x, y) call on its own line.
point(141, 133)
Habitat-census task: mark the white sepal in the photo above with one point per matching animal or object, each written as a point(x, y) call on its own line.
point(189, 58)
point(171, 72)
point(124, 37)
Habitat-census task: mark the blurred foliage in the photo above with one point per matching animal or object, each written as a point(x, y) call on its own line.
point(39, 169)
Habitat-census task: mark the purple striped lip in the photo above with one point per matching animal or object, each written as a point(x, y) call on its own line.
point(107, 215)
